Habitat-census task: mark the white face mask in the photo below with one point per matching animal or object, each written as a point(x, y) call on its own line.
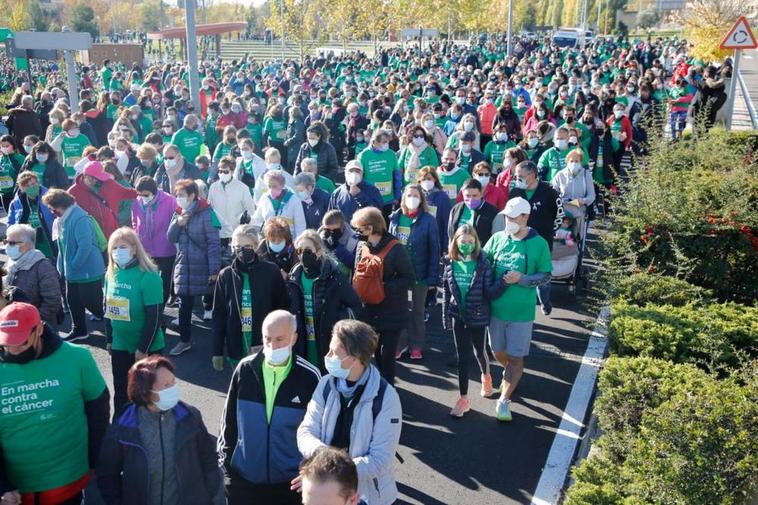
point(428, 124)
point(412, 202)
point(353, 178)
point(574, 167)
point(427, 185)
point(5, 150)
point(225, 177)
point(277, 357)
point(468, 126)
point(183, 202)
point(483, 180)
point(418, 141)
point(512, 227)
point(312, 142)
point(561, 144)
point(170, 163)
point(618, 113)
point(502, 136)
point(247, 155)
point(147, 199)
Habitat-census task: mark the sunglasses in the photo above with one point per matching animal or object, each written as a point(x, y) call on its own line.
point(12, 242)
point(301, 250)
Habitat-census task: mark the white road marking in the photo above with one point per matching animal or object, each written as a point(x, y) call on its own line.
point(562, 450)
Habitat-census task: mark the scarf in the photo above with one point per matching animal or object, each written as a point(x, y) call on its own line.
point(349, 391)
point(25, 262)
point(58, 223)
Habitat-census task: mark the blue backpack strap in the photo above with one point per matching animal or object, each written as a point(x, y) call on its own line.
point(376, 406)
point(327, 389)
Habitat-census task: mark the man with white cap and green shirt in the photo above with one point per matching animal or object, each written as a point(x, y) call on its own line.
point(522, 258)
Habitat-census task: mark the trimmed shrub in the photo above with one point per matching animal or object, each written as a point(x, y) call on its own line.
point(642, 288)
point(712, 336)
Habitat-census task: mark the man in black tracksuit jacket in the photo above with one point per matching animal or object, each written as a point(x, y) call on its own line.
point(484, 213)
point(257, 444)
point(546, 216)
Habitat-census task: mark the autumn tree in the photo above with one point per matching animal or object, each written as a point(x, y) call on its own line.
point(707, 22)
point(302, 23)
point(82, 19)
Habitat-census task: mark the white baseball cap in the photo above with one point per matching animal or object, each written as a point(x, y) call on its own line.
point(517, 206)
point(353, 165)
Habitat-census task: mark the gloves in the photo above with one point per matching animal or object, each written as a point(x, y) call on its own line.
point(218, 363)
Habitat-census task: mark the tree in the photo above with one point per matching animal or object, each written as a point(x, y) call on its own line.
point(40, 20)
point(647, 18)
point(301, 24)
point(707, 21)
point(16, 14)
point(82, 19)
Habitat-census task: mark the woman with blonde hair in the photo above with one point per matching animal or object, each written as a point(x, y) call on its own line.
point(133, 305)
point(467, 124)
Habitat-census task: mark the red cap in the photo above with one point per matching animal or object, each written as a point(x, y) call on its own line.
point(95, 169)
point(17, 321)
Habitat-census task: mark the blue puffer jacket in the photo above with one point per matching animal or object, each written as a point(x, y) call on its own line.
point(423, 246)
point(79, 258)
point(484, 287)
point(198, 251)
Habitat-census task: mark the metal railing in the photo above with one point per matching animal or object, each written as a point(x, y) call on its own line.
point(748, 101)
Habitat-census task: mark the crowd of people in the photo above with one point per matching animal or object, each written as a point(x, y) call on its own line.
point(311, 212)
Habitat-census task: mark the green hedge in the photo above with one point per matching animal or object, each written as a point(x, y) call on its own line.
point(672, 434)
point(642, 288)
point(716, 336)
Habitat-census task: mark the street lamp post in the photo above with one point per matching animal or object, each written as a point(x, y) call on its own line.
point(281, 12)
point(194, 81)
point(510, 28)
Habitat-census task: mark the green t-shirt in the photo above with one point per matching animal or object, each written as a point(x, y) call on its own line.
point(463, 272)
point(428, 158)
point(39, 169)
point(126, 296)
point(189, 143)
point(43, 427)
point(222, 150)
point(379, 170)
point(507, 254)
point(310, 320)
point(256, 134)
point(326, 184)
point(273, 376)
point(453, 182)
point(467, 217)
point(494, 152)
point(72, 150)
point(276, 129)
point(8, 172)
point(246, 314)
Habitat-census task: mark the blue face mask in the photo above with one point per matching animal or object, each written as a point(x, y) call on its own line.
point(13, 251)
point(121, 256)
point(276, 247)
point(167, 398)
point(334, 368)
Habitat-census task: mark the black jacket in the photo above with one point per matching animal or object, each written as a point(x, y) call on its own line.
point(326, 158)
point(547, 210)
point(596, 144)
point(269, 293)
point(268, 453)
point(484, 287)
point(483, 218)
point(54, 176)
point(333, 299)
point(398, 276)
point(121, 475)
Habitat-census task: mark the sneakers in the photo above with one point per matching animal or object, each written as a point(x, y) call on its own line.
point(180, 348)
point(175, 322)
point(547, 310)
point(416, 354)
point(486, 385)
point(73, 337)
point(93, 317)
point(400, 352)
point(207, 315)
point(462, 406)
point(503, 410)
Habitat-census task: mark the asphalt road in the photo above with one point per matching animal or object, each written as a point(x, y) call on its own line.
point(447, 461)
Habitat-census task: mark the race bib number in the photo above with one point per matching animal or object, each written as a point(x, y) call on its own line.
point(117, 309)
point(246, 317)
point(6, 182)
point(385, 188)
point(451, 190)
point(72, 160)
point(310, 328)
point(403, 234)
point(432, 210)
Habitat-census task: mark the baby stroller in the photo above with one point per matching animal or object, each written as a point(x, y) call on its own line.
point(568, 250)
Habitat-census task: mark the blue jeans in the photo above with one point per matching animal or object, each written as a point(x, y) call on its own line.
point(543, 294)
point(678, 123)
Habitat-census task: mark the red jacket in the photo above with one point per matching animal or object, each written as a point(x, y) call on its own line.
point(103, 206)
point(626, 127)
point(503, 182)
point(493, 195)
point(487, 115)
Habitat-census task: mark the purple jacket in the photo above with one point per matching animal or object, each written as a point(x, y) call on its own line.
point(151, 224)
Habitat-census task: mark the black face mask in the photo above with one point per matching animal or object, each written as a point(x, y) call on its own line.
point(311, 263)
point(19, 359)
point(450, 166)
point(246, 256)
point(331, 237)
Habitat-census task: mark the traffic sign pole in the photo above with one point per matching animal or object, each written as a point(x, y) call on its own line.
point(733, 89)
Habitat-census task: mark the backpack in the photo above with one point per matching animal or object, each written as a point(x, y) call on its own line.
point(368, 280)
point(100, 240)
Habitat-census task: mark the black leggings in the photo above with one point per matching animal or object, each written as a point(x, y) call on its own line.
point(121, 362)
point(385, 353)
point(166, 267)
point(466, 339)
point(81, 296)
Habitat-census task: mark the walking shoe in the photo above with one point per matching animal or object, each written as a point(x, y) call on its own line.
point(73, 337)
point(207, 315)
point(426, 316)
point(547, 310)
point(486, 385)
point(400, 352)
point(503, 410)
point(93, 317)
point(462, 406)
point(416, 354)
point(180, 348)
point(174, 322)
